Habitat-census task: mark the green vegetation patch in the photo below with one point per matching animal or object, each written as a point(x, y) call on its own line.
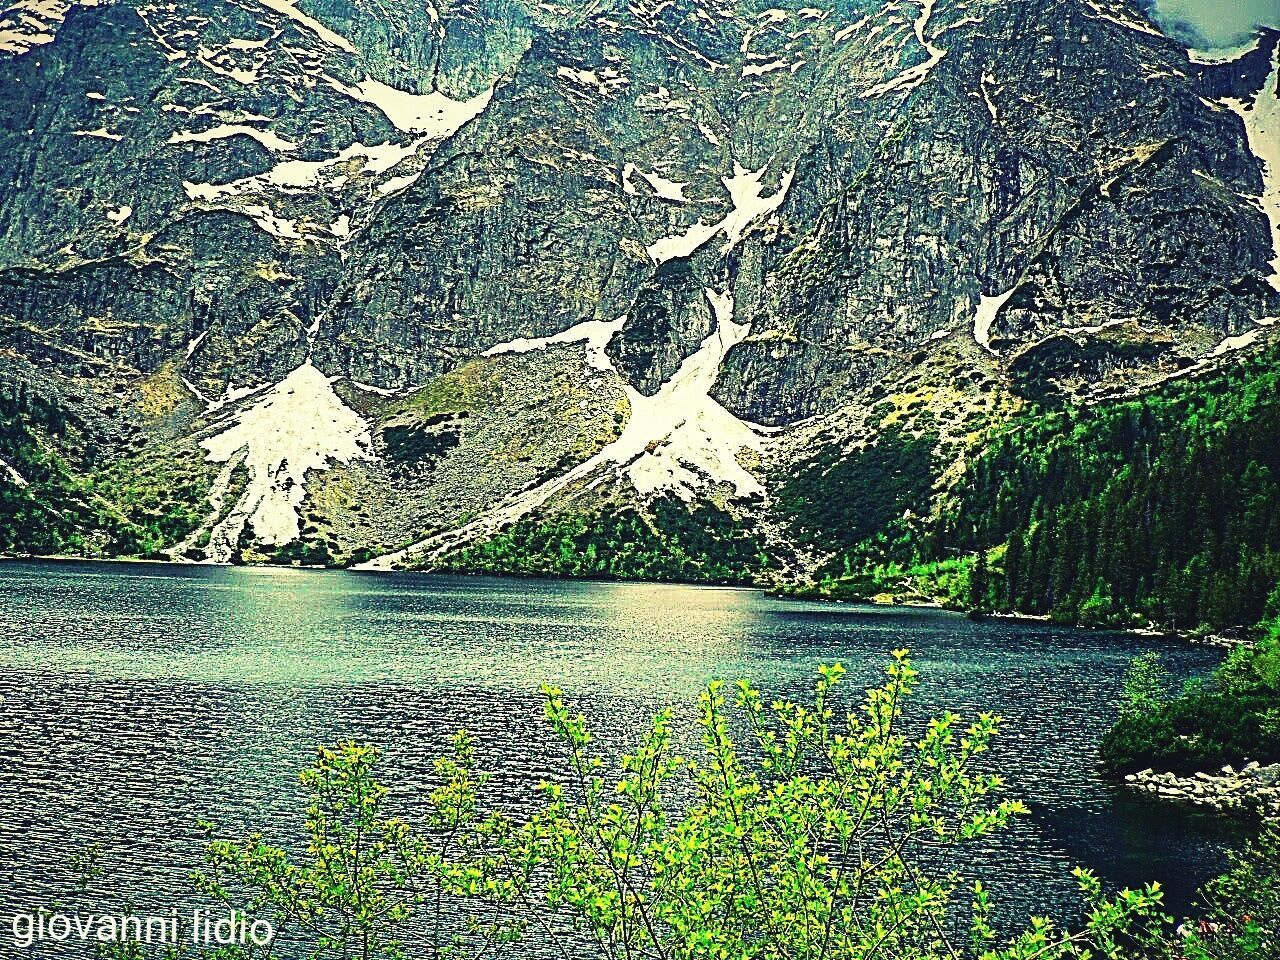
point(669, 542)
point(473, 386)
point(162, 494)
point(838, 500)
point(1167, 506)
point(1163, 509)
point(1230, 717)
point(48, 508)
point(953, 583)
point(133, 507)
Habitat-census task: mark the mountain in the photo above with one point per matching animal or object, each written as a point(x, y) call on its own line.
point(430, 285)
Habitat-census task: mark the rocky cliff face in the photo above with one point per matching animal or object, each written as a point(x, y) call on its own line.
point(357, 253)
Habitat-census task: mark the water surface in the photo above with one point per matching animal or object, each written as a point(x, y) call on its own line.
point(137, 699)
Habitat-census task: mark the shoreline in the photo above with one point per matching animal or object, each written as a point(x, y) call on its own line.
point(1253, 791)
point(1193, 637)
point(393, 572)
point(1186, 636)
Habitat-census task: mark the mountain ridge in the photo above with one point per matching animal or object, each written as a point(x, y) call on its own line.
point(497, 259)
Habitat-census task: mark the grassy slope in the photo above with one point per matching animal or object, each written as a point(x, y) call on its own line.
point(129, 508)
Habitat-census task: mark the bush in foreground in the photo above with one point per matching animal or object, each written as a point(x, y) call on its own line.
point(1239, 911)
point(812, 836)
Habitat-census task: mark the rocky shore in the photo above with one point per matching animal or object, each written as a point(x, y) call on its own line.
point(1251, 790)
point(1221, 641)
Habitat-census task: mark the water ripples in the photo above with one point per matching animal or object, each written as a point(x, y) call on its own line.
point(136, 700)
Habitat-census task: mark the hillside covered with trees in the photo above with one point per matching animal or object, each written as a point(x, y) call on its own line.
point(1160, 508)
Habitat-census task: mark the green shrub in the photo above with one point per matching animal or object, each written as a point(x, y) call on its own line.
point(1230, 717)
point(805, 833)
point(1240, 911)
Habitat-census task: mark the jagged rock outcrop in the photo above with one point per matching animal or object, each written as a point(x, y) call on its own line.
point(1056, 170)
point(736, 216)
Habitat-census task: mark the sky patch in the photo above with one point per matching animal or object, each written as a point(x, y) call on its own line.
point(1209, 24)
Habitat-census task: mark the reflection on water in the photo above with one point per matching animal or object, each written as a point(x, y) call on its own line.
point(138, 699)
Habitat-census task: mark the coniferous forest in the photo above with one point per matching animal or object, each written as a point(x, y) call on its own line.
point(1158, 509)
point(1164, 506)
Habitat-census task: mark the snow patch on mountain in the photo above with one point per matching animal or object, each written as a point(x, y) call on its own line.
point(17, 479)
point(746, 192)
point(259, 196)
point(666, 189)
point(102, 133)
point(298, 426)
point(195, 342)
point(987, 83)
point(680, 440)
point(1262, 123)
point(241, 75)
point(1098, 327)
point(233, 394)
point(243, 43)
point(1242, 341)
point(596, 334)
point(844, 33)
point(292, 176)
point(912, 78)
point(1225, 54)
point(680, 433)
point(396, 184)
point(380, 391)
point(682, 244)
point(602, 81)
point(760, 69)
point(223, 131)
point(291, 11)
point(985, 316)
point(1121, 16)
point(27, 24)
point(688, 438)
point(279, 227)
point(432, 115)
